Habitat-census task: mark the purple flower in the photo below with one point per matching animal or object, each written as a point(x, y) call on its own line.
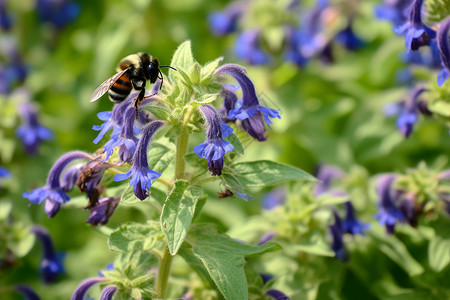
point(70, 177)
point(224, 22)
point(108, 292)
point(248, 110)
point(326, 174)
point(52, 191)
point(444, 49)
point(351, 224)
point(141, 174)
point(103, 210)
point(410, 209)
point(338, 243)
point(272, 293)
point(274, 198)
point(409, 116)
point(31, 132)
point(82, 289)
point(51, 264)
point(266, 237)
point(395, 11)
point(4, 173)
point(215, 147)
point(388, 213)
point(311, 36)
point(58, 12)
point(27, 291)
point(248, 48)
point(293, 53)
point(5, 17)
point(416, 33)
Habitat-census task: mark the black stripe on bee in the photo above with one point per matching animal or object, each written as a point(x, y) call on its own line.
point(116, 97)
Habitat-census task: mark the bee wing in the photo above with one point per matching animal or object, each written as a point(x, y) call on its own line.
point(106, 85)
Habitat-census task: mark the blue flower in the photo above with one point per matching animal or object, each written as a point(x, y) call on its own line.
point(215, 146)
point(224, 22)
point(82, 289)
point(266, 237)
point(248, 110)
point(108, 292)
point(388, 213)
point(60, 12)
point(5, 173)
point(409, 115)
point(248, 48)
point(349, 40)
point(351, 224)
point(272, 293)
point(31, 132)
point(395, 11)
point(5, 17)
point(103, 210)
point(416, 33)
point(274, 198)
point(326, 174)
point(27, 291)
point(338, 243)
point(52, 192)
point(293, 53)
point(444, 49)
point(51, 264)
point(141, 174)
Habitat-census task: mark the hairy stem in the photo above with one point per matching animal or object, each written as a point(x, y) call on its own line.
point(164, 267)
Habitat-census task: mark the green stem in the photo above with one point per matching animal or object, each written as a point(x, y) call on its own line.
point(164, 266)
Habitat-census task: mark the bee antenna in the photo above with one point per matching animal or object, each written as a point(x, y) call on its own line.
point(168, 67)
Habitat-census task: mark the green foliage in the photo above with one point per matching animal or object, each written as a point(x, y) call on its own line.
point(135, 237)
point(178, 212)
point(437, 10)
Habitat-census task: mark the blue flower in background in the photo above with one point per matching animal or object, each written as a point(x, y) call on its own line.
point(30, 132)
point(409, 115)
point(388, 213)
point(395, 11)
point(27, 291)
point(57, 12)
point(444, 49)
point(5, 17)
point(351, 224)
point(416, 33)
point(52, 192)
point(337, 234)
point(348, 39)
point(248, 110)
point(141, 174)
point(215, 146)
point(326, 174)
point(225, 21)
point(274, 198)
point(273, 293)
point(248, 47)
point(5, 173)
point(51, 265)
point(292, 52)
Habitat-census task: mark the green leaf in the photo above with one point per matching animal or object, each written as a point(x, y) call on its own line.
point(182, 58)
point(195, 263)
point(204, 99)
point(234, 140)
point(208, 71)
point(224, 259)
point(159, 112)
point(135, 236)
point(178, 212)
point(160, 156)
point(232, 183)
point(396, 250)
point(196, 161)
point(437, 10)
point(439, 253)
point(266, 172)
point(5, 211)
point(316, 245)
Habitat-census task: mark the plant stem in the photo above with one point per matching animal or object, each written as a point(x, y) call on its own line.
point(164, 266)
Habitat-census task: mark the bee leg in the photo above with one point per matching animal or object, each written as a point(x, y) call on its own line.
point(138, 101)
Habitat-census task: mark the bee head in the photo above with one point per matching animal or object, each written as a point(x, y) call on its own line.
point(152, 70)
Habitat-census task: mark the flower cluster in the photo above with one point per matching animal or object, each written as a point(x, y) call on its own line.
point(305, 32)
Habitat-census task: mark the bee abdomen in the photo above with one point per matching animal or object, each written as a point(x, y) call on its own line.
point(120, 89)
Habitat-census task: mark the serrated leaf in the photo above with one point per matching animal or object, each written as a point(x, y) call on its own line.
point(160, 156)
point(224, 259)
point(439, 253)
point(177, 213)
point(234, 140)
point(266, 172)
point(134, 237)
point(182, 58)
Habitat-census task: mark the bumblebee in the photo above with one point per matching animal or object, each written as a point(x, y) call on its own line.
point(133, 71)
